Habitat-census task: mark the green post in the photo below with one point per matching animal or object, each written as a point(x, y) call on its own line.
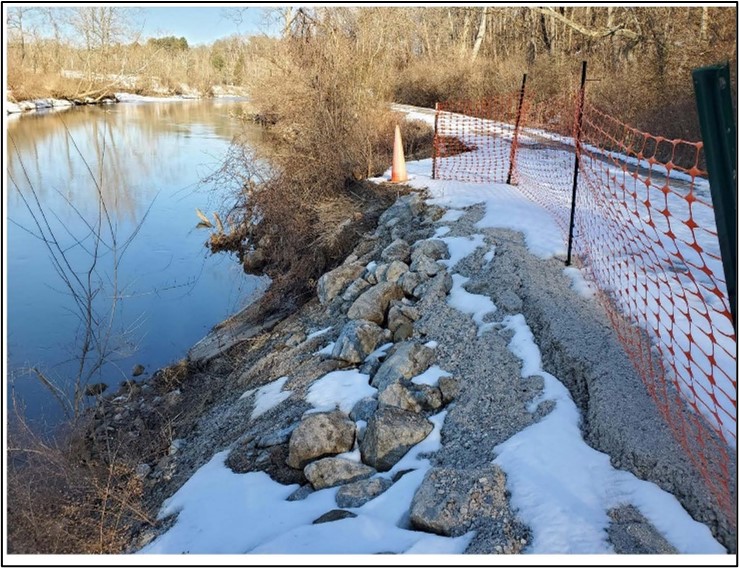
point(718, 128)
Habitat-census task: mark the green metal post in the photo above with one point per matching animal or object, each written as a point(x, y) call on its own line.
point(718, 128)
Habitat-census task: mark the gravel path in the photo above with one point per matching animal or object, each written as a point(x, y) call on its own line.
point(577, 346)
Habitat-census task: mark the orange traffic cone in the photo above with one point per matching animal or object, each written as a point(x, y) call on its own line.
point(398, 173)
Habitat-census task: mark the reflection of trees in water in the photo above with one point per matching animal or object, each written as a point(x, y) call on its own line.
point(124, 144)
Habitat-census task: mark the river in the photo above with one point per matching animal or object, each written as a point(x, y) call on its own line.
point(135, 168)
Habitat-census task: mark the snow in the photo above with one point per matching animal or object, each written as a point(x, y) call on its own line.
point(430, 376)
point(460, 248)
point(268, 396)
point(339, 388)
point(489, 256)
point(431, 344)
point(222, 512)
point(132, 98)
point(562, 488)
point(327, 350)
point(380, 352)
point(440, 232)
point(476, 305)
point(319, 333)
point(580, 284)
point(451, 215)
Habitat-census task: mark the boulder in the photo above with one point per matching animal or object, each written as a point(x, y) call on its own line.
point(396, 318)
point(412, 397)
point(301, 493)
point(450, 389)
point(431, 248)
point(363, 409)
point(372, 304)
point(425, 265)
point(404, 332)
point(409, 281)
point(391, 272)
point(334, 282)
point(320, 435)
point(397, 250)
point(434, 291)
point(407, 360)
point(329, 472)
point(450, 500)
point(355, 289)
point(390, 433)
point(358, 493)
point(358, 338)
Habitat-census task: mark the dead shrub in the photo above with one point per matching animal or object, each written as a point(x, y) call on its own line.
point(63, 500)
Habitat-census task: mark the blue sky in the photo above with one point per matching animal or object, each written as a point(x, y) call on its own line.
point(200, 24)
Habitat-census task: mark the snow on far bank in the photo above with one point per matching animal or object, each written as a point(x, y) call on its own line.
point(563, 489)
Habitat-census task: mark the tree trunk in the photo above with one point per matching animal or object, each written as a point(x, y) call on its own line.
point(480, 33)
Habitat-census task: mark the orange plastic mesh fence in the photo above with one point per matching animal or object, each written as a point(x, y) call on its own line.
point(472, 140)
point(645, 235)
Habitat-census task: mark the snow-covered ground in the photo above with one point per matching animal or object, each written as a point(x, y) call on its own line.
point(560, 487)
point(645, 233)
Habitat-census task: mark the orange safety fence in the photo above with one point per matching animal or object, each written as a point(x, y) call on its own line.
point(472, 139)
point(645, 235)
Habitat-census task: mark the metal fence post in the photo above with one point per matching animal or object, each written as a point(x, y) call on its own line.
point(578, 125)
point(514, 143)
point(716, 116)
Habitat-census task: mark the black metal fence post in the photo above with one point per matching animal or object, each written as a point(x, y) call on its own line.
point(713, 99)
point(434, 148)
point(578, 127)
point(514, 143)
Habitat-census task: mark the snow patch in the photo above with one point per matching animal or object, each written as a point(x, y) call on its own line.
point(460, 248)
point(476, 305)
point(339, 388)
point(562, 488)
point(430, 376)
point(580, 284)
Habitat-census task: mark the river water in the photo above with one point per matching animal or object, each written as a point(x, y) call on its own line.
point(131, 173)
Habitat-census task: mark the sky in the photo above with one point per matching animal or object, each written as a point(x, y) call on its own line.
point(201, 24)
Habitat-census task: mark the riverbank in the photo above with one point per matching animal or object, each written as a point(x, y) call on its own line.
point(477, 399)
point(34, 104)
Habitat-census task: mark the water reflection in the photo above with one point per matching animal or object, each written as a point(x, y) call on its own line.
point(145, 160)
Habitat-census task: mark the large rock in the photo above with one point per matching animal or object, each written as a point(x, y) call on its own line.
point(402, 211)
point(354, 289)
point(431, 248)
point(412, 397)
point(363, 409)
point(408, 360)
point(358, 493)
point(409, 281)
point(372, 304)
point(391, 272)
point(320, 435)
point(425, 266)
point(390, 433)
point(450, 500)
point(397, 250)
point(329, 472)
point(357, 339)
point(333, 283)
